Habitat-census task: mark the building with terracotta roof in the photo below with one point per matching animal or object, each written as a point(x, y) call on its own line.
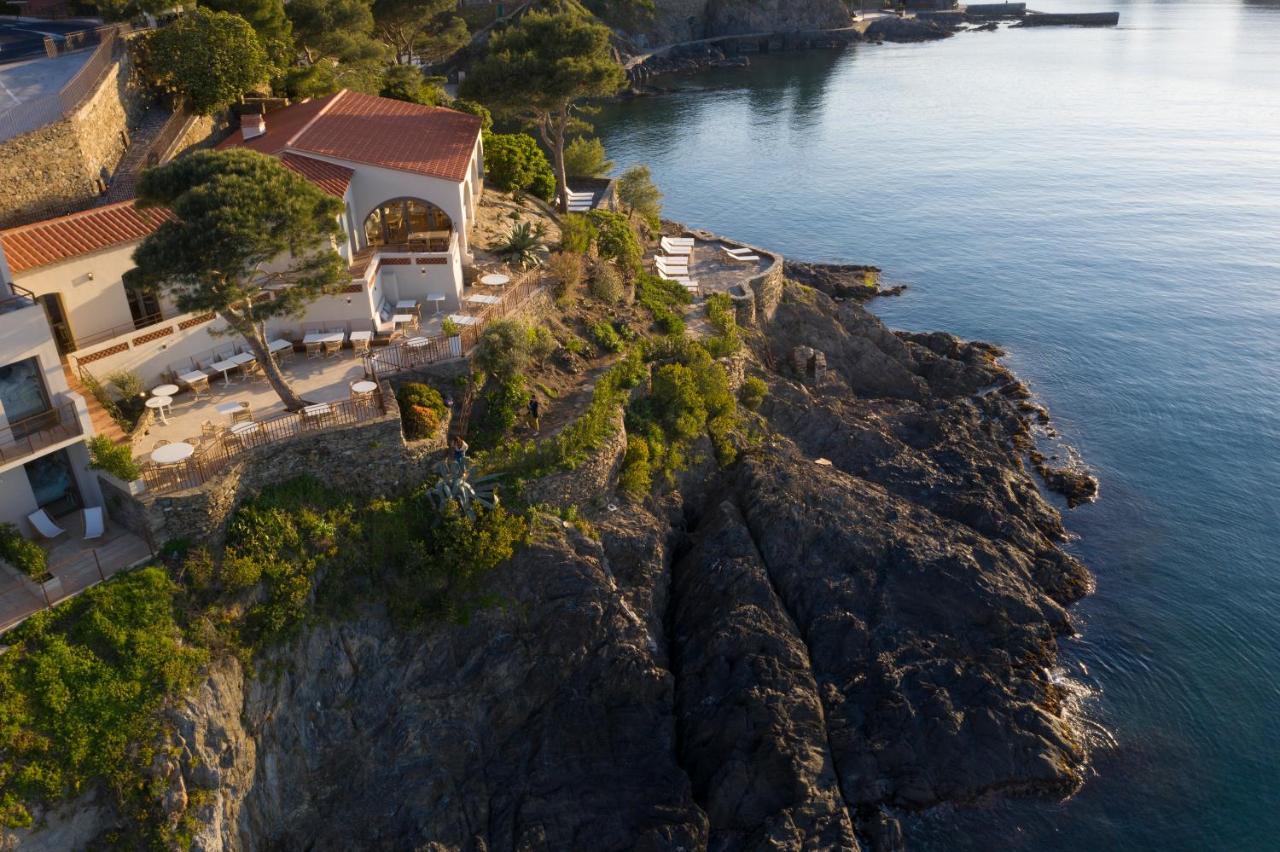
point(410, 178)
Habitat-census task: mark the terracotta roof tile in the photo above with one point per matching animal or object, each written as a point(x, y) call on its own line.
point(54, 240)
point(330, 177)
point(376, 131)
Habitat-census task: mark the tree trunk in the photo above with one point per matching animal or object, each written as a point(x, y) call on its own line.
point(255, 336)
point(559, 122)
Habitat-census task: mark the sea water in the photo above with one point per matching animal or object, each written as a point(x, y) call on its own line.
point(1105, 204)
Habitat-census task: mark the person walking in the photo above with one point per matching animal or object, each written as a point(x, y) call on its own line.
point(459, 450)
point(534, 413)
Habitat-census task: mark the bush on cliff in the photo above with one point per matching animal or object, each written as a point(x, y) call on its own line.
point(421, 410)
point(513, 162)
point(79, 689)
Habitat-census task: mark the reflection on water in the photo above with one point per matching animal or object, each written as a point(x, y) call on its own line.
point(1106, 204)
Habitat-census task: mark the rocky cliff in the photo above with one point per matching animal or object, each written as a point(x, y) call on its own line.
point(858, 617)
point(688, 20)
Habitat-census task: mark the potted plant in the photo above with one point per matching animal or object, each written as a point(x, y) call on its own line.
point(453, 331)
point(115, 463)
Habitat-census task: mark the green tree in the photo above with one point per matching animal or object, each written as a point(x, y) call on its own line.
point(339, 33)
point(479, 110)
point(236, 215)
point(407, 83)
point(211, 58)
point(419, 29)
point(503, 351)
point(584, 157)
point(637, 191)
point(121, 10)
point(541, 69)
point(269, 21)
point(514, 162)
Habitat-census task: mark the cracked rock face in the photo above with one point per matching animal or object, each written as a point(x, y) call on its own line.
point(777, 658)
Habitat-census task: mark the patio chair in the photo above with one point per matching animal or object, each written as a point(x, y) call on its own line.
point(160, 443)
point(197, 386)
point(93, 522)
point(313, 349)
point(332, 348)
point(253, 370)
point(243, 414)
point(210, 431)
point(44, 524)
point(359, 347)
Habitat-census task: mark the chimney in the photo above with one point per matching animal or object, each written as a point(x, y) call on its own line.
point(253, 125)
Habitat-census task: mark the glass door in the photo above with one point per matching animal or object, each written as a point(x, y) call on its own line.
point(62, 337)
point(53, 483)
point(145, 308)
point(22, 398)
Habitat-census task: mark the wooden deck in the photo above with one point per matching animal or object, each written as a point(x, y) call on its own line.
point(76, 565)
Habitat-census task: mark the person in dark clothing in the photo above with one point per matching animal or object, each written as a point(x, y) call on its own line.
point(459, 449)
point(534, 413)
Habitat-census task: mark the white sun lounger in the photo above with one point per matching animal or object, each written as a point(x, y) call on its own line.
point(733, 250)
point(93, 522)
point(680, 241)
point(676, 248)
point(741, 257)
point(681, 262)
point(44, 524)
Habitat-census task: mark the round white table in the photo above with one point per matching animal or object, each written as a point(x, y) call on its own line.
point(364, 387)
point(164, 390)
point(495, 279)
point(246, 426)
point(173, 453)
point(160, 403)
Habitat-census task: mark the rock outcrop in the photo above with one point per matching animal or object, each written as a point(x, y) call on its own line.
point(688, 20)
point(860, 616)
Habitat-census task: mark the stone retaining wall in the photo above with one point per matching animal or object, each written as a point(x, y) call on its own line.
point(56, 169)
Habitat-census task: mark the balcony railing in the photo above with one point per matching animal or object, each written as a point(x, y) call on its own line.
point(85, 340)
point(30, 435)
point(213, 457)
point(16, 299)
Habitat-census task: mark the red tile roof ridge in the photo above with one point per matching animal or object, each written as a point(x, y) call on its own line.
point(319, 113)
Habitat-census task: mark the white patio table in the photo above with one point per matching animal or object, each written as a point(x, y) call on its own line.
point(160, 403)
point(173, 453)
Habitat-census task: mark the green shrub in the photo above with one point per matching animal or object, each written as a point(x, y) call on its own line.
point(576, 234)
point(80, 687)
point(636, 478)
point(585, 157)
point(575, 346)
point(476, 109)
point(450, 328)
point(503, 350)
point(542, 344)
point(115, 459)
point(606, 336)
point(565, 268)
point(127, 383)
point(514, 163)
point(661, 298)
point(605, 283)
point(723, 317)
point(23, 554)
point(752, 393)
point(637, 191)
point(421, 410)
point(504, 401)
point(616, 239)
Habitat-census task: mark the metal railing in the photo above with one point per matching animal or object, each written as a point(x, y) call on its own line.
point(429, 350)
point(214, 456)
point(30, 435)
point(18, 298)
point(82, 341)
point(38, 112)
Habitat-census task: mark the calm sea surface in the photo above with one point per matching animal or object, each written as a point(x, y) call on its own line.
point(1105, 203)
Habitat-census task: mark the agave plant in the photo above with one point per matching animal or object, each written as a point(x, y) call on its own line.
point(455, 485)
point(522, 245)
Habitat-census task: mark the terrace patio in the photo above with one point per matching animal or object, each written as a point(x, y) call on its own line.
point(715, 272)
point(76, 564)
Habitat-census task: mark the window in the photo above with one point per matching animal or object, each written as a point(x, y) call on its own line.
point(22, 397)
point(408, 220)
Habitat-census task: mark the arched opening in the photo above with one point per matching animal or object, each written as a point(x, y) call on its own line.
point(411, 222)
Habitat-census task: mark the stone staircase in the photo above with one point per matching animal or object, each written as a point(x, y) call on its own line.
point(125, 178)
point(103, 423)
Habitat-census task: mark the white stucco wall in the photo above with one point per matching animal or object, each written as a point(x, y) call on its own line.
point(92, 305)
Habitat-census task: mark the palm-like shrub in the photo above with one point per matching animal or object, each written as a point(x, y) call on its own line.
point(520, 247)
point(456, 486)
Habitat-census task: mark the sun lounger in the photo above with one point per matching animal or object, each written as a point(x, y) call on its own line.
point(93, 522)
point(44, 524)
point(670, 263)
point(741, 258)
point(737, 251)
point(680, 241)
point(676, 248)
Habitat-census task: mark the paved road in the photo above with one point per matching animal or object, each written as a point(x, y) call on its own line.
point(24, 39)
